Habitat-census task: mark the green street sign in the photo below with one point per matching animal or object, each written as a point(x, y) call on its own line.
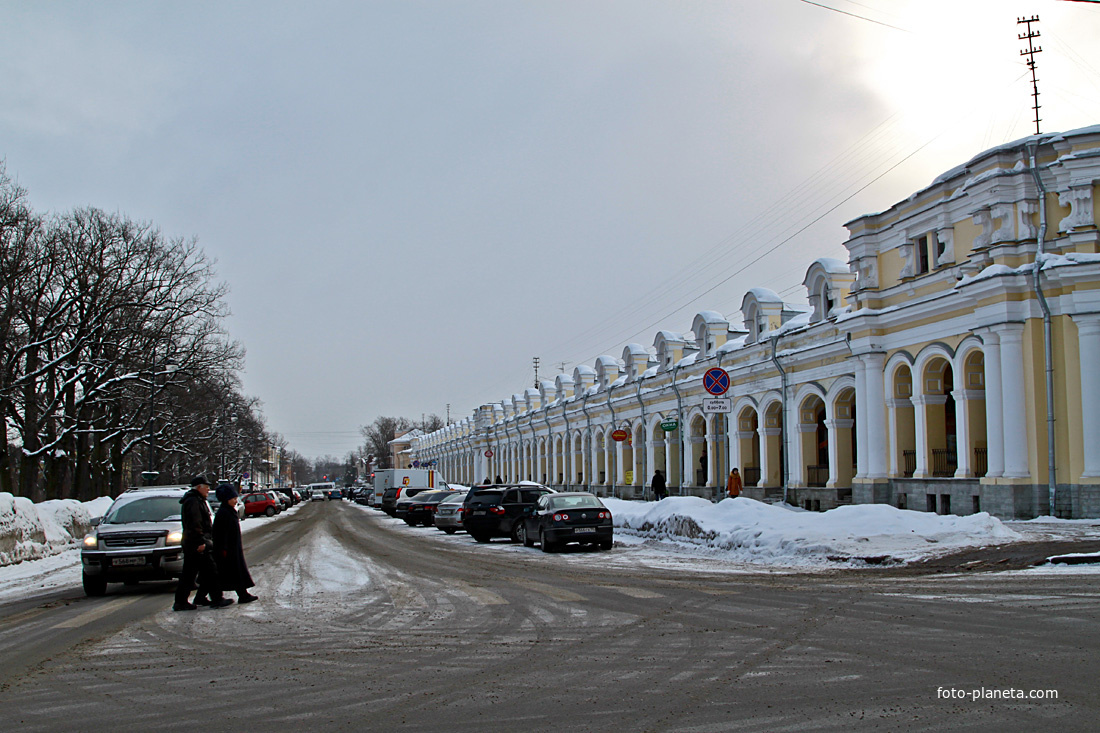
point(669, 425)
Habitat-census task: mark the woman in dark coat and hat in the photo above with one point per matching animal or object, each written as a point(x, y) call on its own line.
point(228, 550)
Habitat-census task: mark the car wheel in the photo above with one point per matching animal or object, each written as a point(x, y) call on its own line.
point(270, 511)
point(410, 522)
point(606, 545)
point(448, 530)
point(524, 537)
point(94, 585)
point(546, 546)
point(514, 536)
point(481, 537)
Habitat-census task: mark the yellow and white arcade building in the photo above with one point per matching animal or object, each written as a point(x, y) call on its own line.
point(952, 365)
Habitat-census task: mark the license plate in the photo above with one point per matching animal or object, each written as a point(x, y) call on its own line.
point(128, 561)
point(478, 513)
point(583, 530)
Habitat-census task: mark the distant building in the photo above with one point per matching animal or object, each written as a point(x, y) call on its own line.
point(401, 453)
point(915, 376)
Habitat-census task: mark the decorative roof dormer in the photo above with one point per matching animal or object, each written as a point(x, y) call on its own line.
point(670, 349)
point(564, 385)
point(711, 330)
point(637, 360)
point(547, 392)
point(519, 404)
point(532, 398)
point(763, 312)
point(828, 282)
point(607, 370)
point(584, 377)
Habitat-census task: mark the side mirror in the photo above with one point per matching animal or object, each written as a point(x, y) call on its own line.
point(97, 521)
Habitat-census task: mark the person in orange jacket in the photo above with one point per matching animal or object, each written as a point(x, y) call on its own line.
point(733, 484)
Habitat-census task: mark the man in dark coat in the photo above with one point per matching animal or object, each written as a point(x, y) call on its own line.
point(658, 484)
point(229, 552)
point(198, 549)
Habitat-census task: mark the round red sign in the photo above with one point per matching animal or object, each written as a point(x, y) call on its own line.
point(488, 454)
point(620, 435)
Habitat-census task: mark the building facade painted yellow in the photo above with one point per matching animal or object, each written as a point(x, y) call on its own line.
point(917, 374)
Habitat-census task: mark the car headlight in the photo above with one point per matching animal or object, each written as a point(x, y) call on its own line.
point(91, 541)
point(174, 538)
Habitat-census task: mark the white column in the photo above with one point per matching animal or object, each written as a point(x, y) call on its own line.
point(650, 457)
point(1013, 401)
point(733, 444)
point(963, 405)
point(669, 442)
point(620, 477)
point(862, 401)
point(894, 448)
point(1088, 337)
point(994, 410)
point(920, 425)
point(871, 432)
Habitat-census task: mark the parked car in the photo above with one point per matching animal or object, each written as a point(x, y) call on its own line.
point(260, 502)
point(138, 539)
point(317, 495)
point(558, 519)
point(496, 511)
point(331, 494)
point(394, 494)
point(421, 508)
point(283, 499)
point(448, 513)
point(365, 497)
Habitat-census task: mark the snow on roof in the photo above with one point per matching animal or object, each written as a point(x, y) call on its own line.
point(762, 295)
point(585, 369)
point(711, 317)
point(732, 345)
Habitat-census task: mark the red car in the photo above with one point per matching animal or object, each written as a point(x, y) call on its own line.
point(260, 503)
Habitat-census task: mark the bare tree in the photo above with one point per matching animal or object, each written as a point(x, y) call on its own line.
point(378, 436)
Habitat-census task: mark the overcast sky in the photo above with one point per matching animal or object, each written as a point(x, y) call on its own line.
point(410, 200)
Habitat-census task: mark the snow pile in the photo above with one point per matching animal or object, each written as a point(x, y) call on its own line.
point(29, 531)
point(751, 531)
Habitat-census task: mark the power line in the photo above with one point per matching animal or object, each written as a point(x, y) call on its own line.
point(856, 15)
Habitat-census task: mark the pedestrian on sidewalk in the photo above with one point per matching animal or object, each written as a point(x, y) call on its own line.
point(658, 484)
point(198, 549)
point(734, 484)
point(229, 556)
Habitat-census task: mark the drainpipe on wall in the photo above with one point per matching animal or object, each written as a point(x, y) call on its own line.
point(679, 430)
point(645, 437)
point(588, 436)
point(782, 423)
point(1048, 345)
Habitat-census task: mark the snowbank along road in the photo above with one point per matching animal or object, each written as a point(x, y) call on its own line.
point(364, 622)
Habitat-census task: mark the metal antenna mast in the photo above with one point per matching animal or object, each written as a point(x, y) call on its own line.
point(1030, 52)
point(536, 360)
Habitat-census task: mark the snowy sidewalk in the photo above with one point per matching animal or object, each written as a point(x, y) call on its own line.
point(755, 533)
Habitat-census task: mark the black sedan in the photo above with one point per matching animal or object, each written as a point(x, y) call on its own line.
point(421, 508)
point(558, 519)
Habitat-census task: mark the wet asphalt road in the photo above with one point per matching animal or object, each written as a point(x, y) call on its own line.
point(364, 623)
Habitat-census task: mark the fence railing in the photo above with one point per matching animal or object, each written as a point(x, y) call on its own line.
point(909, 462)
point(944, 462)
point(981, 461)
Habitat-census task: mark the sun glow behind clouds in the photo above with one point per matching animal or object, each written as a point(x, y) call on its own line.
point(958, 69)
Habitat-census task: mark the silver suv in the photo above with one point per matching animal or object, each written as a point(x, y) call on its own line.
point(139, 538)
